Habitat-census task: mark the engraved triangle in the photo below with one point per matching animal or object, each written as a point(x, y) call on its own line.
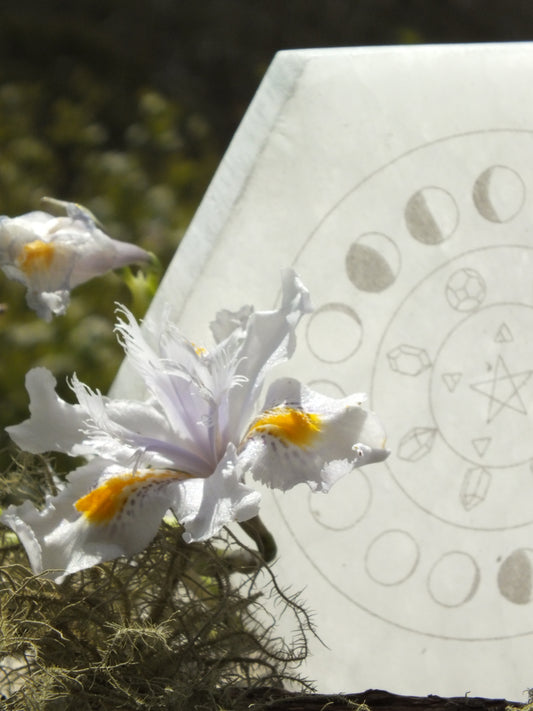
point(481, 444)
point(503, 334)
point(451, 380)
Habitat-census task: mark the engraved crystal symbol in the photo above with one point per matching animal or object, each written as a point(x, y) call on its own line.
point(503, 390)
point(476, 484)
point(417, 443)
point(408, 360)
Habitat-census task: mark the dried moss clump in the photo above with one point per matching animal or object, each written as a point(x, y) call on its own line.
point(176, 627)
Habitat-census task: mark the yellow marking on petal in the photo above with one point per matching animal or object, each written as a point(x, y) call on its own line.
point(199, 350)
point(102, 504)
point(36, 256)
point(288, 424)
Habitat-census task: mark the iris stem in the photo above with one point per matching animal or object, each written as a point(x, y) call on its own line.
point(264, 540)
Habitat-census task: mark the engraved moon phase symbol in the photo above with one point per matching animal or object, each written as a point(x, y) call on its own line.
point(515, 576)
point(431, 215)
point(346, 504)
point(454, 579)
point(392, 557)
point(373, 262)
point(499, 194)
point(334, 332)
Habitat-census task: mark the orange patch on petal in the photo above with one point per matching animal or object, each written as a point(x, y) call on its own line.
point(288, 424)
point(102, 504)
point(36, 256)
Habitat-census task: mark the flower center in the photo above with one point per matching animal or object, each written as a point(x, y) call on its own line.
point(36, 256)
point(102, 504)
point(288, 424)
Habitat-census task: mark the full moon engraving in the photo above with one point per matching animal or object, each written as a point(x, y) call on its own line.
point(392, 557)
point(454, 579)
point(334, 333)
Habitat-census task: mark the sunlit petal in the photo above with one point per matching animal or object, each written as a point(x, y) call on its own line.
point(268, 341)
point(205, 505)
point(304, 436)
point(54, 425)
point(47, 534)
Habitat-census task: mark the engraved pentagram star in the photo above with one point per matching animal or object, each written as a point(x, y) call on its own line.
point(503, 389)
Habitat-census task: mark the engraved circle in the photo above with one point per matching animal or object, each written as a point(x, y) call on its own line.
point(334, 333)
point(392, 557)
point(346, 504)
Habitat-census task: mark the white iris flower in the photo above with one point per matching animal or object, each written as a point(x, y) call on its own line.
point(190, 446)
point(51, 255)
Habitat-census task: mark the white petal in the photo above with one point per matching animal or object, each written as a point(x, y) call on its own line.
point(18, 230)
point(269, 339)
point(174, 378)
point(35, 527)
point(123, 429)
point(102, 513)
point(303, 436)
point(102, 255)
point(48, 303)
point(204, 506)
point(227, 322)
point(54, 424)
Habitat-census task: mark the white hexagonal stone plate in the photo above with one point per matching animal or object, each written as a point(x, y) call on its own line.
point(399, 183)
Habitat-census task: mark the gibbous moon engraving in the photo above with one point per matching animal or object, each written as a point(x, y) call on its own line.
point(431, 215)
point(373, 262)
point(499, 194)
point(515, 576)
point(334, 333)
point(454, 579)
